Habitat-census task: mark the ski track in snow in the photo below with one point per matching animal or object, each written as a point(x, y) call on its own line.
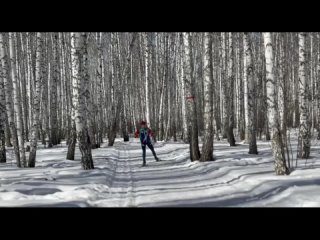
point(234, 179)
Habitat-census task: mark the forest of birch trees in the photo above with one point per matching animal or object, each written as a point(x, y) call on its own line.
point(87, 88)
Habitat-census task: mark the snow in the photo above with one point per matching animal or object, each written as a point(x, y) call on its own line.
point(235, 179)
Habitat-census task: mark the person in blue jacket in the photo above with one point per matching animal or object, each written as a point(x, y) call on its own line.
point(145, 135)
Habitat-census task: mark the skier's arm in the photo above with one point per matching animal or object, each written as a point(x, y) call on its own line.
point(151, 133)
point(136, 134)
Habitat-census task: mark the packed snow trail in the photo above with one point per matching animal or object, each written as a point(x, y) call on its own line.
point(118, 180)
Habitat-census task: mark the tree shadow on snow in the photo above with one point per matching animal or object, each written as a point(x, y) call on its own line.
point(237, 201)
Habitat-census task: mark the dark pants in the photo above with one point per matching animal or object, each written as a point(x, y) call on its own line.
point(144, 151)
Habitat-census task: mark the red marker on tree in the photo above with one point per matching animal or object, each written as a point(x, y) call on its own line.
point(190, 98)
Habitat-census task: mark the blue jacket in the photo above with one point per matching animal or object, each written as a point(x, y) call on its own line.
point(144, 134)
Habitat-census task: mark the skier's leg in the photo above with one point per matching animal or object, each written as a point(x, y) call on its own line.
point(153, 152)
point(143, 154)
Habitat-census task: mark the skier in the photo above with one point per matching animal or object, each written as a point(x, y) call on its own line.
point(145, 134)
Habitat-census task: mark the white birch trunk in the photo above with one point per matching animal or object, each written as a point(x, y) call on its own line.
point(207, 149)
point(8, 97)
point(147, 62)
point(79, 101)
point(190, 98)
point(224, 82)
point(273, 120)
point(312, 83)
point(249, 97)
point(281, 83)
point(230, 92)
point(183, 97)
point(53, 88)
point(2, 121)
point(304, 136)
point(318, 87)
point(245, 89)
point(36, 106)
point(16, 100)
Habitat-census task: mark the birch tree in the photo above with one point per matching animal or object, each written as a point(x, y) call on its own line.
point(147, 67)
point(78, 82)
point(21, 55)
point(183, 96)
point(190, 98)
point(8, 97)
point(230, 104)
point(53, 88)
point(207, 148)
point(2, 120)
point(100, 74)
point(318, 86)
point(16, 98)
point(36, 104)
point(224, 80)
point(281, 86)
point(46, 58)
point(249, 97)
point(90, 116)
point(273, 118)
point(304, 138)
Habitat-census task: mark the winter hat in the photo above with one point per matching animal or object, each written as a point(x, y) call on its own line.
point(142, 123)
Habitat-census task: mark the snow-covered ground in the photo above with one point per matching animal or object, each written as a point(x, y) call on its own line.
point(118, 180)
